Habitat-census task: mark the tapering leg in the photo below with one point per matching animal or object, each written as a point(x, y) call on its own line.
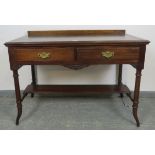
point(120, 77)
point(136, 96)
point(18, 96)
point(34, 76)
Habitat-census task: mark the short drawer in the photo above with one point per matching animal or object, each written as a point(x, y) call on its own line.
point(109, 54)
point(44, 54)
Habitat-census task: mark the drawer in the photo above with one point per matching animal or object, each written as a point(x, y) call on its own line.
point(44, 54)
point(108, 55)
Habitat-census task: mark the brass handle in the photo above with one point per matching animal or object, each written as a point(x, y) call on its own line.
point(108, 54)
point(43, 55)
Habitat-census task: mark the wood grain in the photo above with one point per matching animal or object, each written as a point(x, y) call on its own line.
point(121, 55)
point(77, 88)
point(77, 49)
point(55, 54)
point(75, 32)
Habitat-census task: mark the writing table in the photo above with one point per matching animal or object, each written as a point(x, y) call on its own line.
point(77, 49)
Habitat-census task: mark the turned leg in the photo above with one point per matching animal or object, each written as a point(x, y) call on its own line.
point(34, 76)
point(18, 96)
point(136, 96)
point(120, 77)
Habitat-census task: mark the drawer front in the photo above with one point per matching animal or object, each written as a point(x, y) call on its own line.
point(109, 55)
point(44, 55)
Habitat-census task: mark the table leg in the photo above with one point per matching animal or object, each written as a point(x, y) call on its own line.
point(136, 96)
point(18, 96)
point(34, 81)
point(120, 77)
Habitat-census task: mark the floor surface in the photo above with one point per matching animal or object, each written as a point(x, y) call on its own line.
point(77, 113)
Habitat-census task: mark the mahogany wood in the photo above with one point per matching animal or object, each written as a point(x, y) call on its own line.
point(34, 77)
point(77, 49)
point(75, 32)
point(77, 88)
point(120, 78)
point(136, 95)
point(18, 95)
point(55, 54)
point(121, 54)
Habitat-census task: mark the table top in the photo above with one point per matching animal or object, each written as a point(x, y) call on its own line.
point(76, 39)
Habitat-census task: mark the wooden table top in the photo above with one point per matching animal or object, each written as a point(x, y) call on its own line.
point(76, 39)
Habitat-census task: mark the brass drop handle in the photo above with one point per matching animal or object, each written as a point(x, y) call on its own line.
point(108, 54)
point(44, 55)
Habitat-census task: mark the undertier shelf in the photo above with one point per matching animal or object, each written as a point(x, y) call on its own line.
point(77, 89)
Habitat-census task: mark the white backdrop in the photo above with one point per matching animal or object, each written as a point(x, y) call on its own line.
point(91, 75)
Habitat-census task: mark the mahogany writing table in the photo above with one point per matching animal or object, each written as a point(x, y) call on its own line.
point(77, 49)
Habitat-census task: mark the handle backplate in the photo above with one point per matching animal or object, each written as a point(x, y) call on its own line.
point(108, 54)
point(44, 55)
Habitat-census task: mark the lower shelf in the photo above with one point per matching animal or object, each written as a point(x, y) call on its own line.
point(77, 89)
